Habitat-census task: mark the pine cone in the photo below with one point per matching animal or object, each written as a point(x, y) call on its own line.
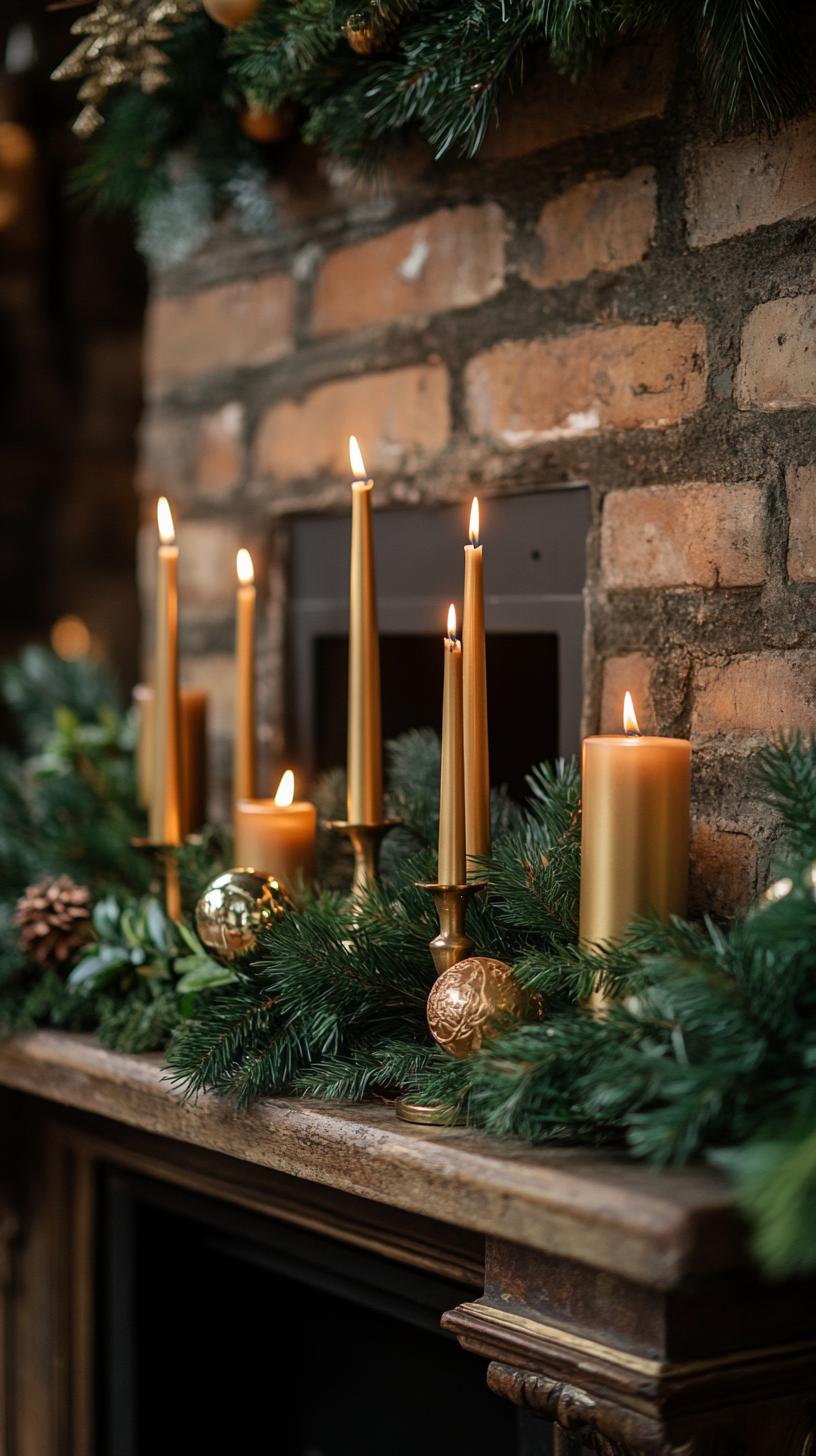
point(54, 919)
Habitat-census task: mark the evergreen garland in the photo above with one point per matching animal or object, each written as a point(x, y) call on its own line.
point(709, 1050)
point(443, 70)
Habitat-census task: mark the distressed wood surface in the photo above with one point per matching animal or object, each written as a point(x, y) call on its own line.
point(599, 1208)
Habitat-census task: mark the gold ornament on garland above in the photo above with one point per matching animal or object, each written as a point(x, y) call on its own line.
point(120, 43)
point(472, 999)
point(231, 13)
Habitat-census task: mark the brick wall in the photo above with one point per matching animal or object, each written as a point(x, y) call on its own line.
point(608, 295)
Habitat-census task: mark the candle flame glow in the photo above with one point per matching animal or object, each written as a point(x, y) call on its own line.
point(164, 516)
point(630, 722)
point(286, 790)
point(356, 457)
point(473, 529)
point(244, 567)
point(451, 621)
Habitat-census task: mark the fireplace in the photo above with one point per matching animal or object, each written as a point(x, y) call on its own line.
point(536, 550)
point(217, 1325)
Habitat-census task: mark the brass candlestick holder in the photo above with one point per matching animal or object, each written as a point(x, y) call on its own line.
point(450, 946)
point(366, 840)
point(165, 859)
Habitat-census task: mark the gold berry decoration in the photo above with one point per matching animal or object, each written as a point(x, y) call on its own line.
point(267, 126)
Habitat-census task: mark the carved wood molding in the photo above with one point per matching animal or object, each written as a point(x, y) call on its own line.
point(603, 1428)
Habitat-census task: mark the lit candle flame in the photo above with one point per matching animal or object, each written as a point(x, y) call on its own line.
point(356, 457)
point(452, 621)
point(286, 790)
point(244, 567)
point(630, 722)
point(164, 516)
point(473, 530)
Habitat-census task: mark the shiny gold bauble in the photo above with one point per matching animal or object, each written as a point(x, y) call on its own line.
point(365, 39)
point(471, 999)
point(231, 12)
point(267, 126)
point(236, 908)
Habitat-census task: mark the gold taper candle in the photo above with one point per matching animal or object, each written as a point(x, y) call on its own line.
point(277, 836)
point(451, 869)
point(243, 773)
point(165, 799)
point(193, 752)
point(474, 673)
point(635, 829)
point(365, 791)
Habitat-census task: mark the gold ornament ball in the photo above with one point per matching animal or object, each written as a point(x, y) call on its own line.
point(365, 39)
point(236, 908)
point(471, 998)
point(231, 13)
point(267, 126)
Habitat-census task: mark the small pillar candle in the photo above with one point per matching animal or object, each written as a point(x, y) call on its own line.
point(193, 703)
point(451, 869)
point(276, 836)
point(634, 830)
point(474, 677)
point(243, 783)
point(165, 798)
point(365, 786)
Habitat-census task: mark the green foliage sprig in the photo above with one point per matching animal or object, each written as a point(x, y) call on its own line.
point(444, 71)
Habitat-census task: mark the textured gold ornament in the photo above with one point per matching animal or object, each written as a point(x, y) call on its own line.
point(231, 13)
point(471, 999)
point(120, 43)
point(236, 908)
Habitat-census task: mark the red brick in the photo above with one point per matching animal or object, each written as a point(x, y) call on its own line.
point(236, 325)
point(777, 368)
point(632, 672)
point(602, 224)
point(219, 455)
point(765, 693)
point(618, 378)
point(632, 84)
point(165, 455)
point(683, 535)
point(740, 185)
point(398, 416)
point(723, 870)
point(801, 484)
point(452, 259)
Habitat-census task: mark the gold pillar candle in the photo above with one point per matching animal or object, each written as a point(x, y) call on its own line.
point(451, 868)
point(165, 797)
point(474, 674)
point(276, 836)
point(634, 830)
point(365, 790)
point(243, 778)
point(193, 704)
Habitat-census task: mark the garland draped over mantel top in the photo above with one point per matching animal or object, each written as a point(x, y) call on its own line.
point(440, 68)
point(709, 1051)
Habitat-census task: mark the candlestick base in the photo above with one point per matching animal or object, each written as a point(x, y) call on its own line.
point(366, 840)
point(452, 944)
point(165, 857)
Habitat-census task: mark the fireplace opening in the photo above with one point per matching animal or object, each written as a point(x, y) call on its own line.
point(535, 562)
point(218, 1327)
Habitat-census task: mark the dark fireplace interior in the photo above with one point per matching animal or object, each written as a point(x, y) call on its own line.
point(535, 557)
point(220, 1330)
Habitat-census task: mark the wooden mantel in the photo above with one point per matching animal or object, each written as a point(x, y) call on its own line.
point(617, 1300)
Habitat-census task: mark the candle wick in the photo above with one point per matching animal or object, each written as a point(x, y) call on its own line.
point(633, 733)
